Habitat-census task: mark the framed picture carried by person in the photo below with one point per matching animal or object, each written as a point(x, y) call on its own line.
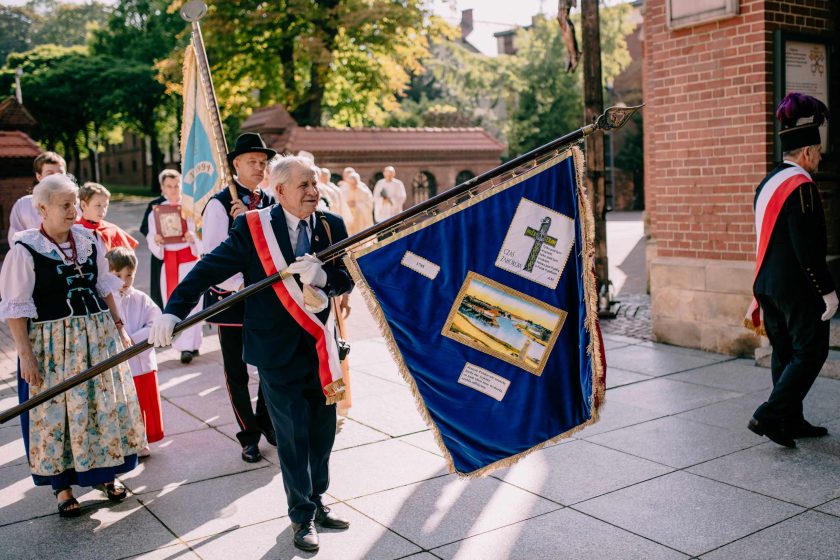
point(170, 224)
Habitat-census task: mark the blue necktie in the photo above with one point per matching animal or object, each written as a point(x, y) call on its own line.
point(302, 245)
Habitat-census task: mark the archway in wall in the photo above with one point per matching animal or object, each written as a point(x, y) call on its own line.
point(423, 186)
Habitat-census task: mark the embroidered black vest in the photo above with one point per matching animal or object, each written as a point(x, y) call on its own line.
point(61, 291)
point(233, 316)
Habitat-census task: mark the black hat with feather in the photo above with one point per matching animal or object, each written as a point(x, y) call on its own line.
point(793, 108)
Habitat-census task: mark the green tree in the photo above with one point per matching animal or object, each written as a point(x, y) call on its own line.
point(337, 62)
point(142, 34)
point(550, 101)
point(67, 24)
point(16, 25)
point(58, 86)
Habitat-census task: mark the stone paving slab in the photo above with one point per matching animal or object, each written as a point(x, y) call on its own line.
point(353, 434)
point(103, 532)
point(11, 446)
point(832, 507)
point(273, 540)
point(393, 413)
point(560, 534)
point(658, 361)
point(667, 396)
point(213, 506)
point(391, 464)
point(803, 477)
point(176, 421)
point(578, 471)
point(731, 414)
point(676, 442)
point(810, 535)
point(616, 415)
point(211, 406)
point(444, 510)
point(676, 510)
point(174, 552)
point(184, 458)
point(618, 377)
point(741, 376)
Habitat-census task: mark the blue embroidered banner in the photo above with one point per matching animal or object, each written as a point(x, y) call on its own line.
point(490, 310)
point(201, 164)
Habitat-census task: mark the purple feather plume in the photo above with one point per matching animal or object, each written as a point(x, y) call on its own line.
point(797, 106)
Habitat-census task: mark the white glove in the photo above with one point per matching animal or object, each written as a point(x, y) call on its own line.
point(830, 305)
point(314, 299)
point(161, 331)
point(310, 270)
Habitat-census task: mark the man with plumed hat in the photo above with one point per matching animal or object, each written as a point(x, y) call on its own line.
point(795, 296)
point(248, 158)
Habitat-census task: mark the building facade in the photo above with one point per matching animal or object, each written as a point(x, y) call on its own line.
point(714, 71)
point(427, 160)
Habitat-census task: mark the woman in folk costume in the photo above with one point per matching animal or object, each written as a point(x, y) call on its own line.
point(359, 200)
point(93, 202)
point(179, 257)
point(139, 312)
point(56, 297)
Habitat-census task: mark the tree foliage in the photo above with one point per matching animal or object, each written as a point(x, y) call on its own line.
point(42, 22)
point(336, 62)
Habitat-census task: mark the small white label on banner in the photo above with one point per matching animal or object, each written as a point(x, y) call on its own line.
point(420, 265)
point(484, 381)
point(538, 244)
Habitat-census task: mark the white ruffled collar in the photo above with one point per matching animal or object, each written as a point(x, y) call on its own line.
point(84, 238)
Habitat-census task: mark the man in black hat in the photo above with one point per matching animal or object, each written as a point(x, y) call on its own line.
point(794, 292)
point(249, 158)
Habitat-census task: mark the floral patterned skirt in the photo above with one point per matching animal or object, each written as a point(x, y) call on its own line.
point(93, 431)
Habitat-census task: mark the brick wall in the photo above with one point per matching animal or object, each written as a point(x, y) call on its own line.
point(708, 141)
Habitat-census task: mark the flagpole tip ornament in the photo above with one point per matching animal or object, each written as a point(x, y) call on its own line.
point(616, 117)
point(193, 10)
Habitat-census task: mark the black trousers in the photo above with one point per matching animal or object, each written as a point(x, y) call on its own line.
point(800, 348)
point(251, 424)
point(305, 429)
point(154, 281)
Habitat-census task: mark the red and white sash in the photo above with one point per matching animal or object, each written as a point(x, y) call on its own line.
point(770, 201)
point(291, 296)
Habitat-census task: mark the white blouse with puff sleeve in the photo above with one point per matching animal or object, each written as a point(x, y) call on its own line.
point(17, 278)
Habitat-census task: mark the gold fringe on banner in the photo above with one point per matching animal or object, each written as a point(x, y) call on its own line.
point(590, 298)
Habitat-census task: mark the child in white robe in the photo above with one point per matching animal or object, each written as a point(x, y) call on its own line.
point(139, 312)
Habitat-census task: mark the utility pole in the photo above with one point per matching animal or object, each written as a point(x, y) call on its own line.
point(593, 97)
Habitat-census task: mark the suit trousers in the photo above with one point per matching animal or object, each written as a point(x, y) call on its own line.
point(251, 425)
point(305, 429)
point(800, 348)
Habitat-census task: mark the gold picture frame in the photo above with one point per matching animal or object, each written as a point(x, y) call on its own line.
point(494, 319)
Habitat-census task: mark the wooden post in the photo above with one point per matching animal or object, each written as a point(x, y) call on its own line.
point(593, 96)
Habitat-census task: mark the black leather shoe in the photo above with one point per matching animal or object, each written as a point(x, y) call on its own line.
point(775, 432)
point(251, 453)
point(270, 437)
point(805, 429)
point(306, 537)
point(186, 357)
point(328, 520)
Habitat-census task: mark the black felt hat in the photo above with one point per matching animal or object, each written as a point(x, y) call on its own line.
point(793, 108)
point(250, 142)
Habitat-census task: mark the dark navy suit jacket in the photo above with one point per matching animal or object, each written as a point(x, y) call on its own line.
point(270, 334)
point(794, 266)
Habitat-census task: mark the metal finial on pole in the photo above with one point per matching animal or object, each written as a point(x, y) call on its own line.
point(192, 12)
